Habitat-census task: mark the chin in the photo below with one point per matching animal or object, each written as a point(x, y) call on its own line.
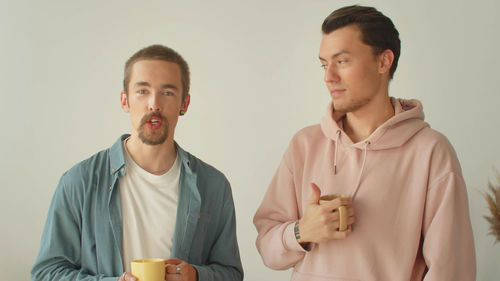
point(339, 107)
point(153, 139)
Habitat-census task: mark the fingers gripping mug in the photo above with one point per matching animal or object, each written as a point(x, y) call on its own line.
point(342, 209)
point(149, 269)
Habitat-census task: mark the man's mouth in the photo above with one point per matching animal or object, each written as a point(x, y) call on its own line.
point(153, 122)
point(336, 92)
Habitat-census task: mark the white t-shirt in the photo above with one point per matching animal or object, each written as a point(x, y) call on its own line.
point(149, 208)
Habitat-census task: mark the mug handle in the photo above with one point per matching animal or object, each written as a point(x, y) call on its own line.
point(342, 218)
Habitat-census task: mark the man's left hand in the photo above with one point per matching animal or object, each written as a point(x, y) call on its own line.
point(179, 270)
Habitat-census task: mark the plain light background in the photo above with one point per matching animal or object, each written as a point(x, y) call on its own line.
point(256, 80)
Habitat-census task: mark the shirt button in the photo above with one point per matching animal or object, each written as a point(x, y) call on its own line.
point(110, 187)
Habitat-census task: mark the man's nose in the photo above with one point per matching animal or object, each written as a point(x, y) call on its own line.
point(154, 102)
point(331, 74)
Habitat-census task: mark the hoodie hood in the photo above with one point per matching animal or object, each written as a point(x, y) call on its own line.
point(396, 131)
point(408, 119)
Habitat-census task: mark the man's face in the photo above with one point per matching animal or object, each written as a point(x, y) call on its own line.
point(353, 74)
point(154, 100)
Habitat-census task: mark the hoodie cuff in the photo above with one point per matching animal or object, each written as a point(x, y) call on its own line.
point(289, 240)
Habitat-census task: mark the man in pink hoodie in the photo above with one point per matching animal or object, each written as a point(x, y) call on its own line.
point(408, 216)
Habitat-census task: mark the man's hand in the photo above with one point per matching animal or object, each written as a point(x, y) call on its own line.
point(320, 223)
point(185, 273)
point(127, 277)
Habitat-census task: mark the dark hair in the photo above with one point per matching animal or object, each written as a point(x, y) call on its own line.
point(158, 52)
point(377, 30)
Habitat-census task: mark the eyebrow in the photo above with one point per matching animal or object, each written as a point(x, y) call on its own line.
point(169, 86)
point(336, 54)
point(146, 84)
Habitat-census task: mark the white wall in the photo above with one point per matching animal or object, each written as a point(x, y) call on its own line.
point(255, 81)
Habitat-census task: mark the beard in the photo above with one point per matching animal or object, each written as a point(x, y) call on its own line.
point(153, 137)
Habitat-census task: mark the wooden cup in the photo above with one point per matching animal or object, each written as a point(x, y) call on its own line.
point(342, 209)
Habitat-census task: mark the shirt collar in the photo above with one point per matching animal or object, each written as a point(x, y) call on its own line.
point(116, 156)
point(117, 159)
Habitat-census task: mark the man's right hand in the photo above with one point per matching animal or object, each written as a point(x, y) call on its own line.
point(320, 223)
point(127, 277)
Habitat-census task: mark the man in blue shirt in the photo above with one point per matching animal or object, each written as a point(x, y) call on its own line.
point(144, 197)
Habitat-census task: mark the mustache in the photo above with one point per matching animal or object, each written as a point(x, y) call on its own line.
point(148, 116)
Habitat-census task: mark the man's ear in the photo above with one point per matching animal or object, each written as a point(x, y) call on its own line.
point(386, 60)
point(124, 101)
point(185, 103)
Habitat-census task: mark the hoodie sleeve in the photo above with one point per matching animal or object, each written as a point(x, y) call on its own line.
point(448, 244)
point(275, 220)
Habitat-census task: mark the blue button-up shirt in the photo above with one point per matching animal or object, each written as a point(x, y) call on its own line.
point(82, 238)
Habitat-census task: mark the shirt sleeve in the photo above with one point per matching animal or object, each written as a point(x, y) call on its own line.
point(224, 260)
point(448, 244)
point(59, 255)
point(275, 221)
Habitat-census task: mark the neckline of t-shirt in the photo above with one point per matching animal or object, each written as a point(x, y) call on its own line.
point(133, 167)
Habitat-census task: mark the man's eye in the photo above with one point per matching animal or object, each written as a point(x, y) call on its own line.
point(141, 92)
point(168, 93)
point(324, 66)
point(342, 61)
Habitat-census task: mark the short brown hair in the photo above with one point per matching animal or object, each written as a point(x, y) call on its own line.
point(158, 52)
point(377, 30)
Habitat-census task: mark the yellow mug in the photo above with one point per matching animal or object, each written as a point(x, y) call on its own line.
point(149, 269)
point(342, 209)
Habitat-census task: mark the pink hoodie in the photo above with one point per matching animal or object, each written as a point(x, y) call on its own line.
point(409, 197)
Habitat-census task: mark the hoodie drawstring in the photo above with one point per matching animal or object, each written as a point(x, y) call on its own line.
point(365, 150)
point(336, 152)
point(356, 187)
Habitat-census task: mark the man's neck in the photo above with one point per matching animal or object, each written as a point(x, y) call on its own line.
point(156, 159)
point(361, 123)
